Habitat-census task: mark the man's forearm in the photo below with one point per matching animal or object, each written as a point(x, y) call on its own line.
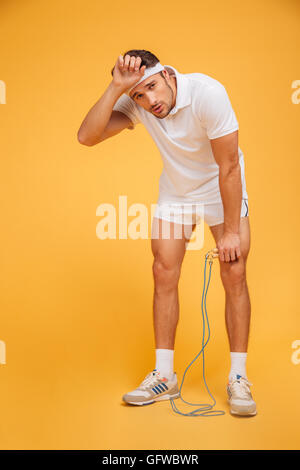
point(231, 192)
point(98, 116)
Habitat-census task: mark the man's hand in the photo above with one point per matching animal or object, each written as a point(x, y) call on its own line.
point(127, 71)
point(229, 247)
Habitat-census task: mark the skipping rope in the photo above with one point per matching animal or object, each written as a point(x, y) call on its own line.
point(205, 409)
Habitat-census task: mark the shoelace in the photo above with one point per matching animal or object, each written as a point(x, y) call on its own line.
point(151, 379)
point(240, 387)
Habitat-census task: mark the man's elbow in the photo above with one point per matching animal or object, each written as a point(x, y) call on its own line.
point(231, 165)
point(83, 140)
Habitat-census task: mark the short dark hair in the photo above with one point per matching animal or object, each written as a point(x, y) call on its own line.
point(147, 57)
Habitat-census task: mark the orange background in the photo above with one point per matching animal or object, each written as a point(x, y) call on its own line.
point(76, 311)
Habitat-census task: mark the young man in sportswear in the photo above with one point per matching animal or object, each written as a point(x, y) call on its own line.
point(191, 120)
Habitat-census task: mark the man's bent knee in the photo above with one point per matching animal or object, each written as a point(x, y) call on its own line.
point(165, 276)
point(233, 274)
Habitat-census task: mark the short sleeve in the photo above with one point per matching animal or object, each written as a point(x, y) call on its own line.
point(216, 112)
point(126, 105)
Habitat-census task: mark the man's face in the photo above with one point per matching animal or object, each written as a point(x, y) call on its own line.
point(156, 91)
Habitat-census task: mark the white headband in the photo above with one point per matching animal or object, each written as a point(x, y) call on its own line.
point(148, 72)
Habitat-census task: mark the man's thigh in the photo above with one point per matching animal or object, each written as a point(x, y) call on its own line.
point(245, 238)
point(168, 241)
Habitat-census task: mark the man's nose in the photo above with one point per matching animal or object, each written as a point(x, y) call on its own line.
point(153, 102)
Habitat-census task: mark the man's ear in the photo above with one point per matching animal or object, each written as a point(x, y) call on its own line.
point(168, 74)
point(165, 74)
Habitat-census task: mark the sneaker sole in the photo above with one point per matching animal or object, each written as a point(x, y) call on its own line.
point(162, 398)
point(241, 413)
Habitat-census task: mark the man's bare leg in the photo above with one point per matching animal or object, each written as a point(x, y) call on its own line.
point(168, 247)
point(168, 256)
point(161, 383)
point(233, 275)
point(237, 315)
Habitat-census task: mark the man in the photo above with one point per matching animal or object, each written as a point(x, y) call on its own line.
point(191, 120)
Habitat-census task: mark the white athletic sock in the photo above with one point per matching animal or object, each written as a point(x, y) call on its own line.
point(164, 362)
point(238, 364)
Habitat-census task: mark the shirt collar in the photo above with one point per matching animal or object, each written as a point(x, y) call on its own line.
point(183, 96)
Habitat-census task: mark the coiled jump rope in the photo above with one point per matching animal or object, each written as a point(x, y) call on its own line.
point(205, 409)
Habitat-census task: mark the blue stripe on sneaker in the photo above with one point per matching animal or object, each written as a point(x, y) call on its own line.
point(160, 388)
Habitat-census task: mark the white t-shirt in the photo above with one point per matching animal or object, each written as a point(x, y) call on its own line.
point(202, 111)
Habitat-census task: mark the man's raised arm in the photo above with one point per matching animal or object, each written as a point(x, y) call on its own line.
point(126, 73)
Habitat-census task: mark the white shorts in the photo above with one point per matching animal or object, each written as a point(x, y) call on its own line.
point(192, 213)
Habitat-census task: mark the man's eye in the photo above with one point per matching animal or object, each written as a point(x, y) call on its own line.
point(153, 84)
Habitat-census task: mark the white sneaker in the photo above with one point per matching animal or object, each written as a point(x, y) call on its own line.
point(240, 398)
point(153, 388)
